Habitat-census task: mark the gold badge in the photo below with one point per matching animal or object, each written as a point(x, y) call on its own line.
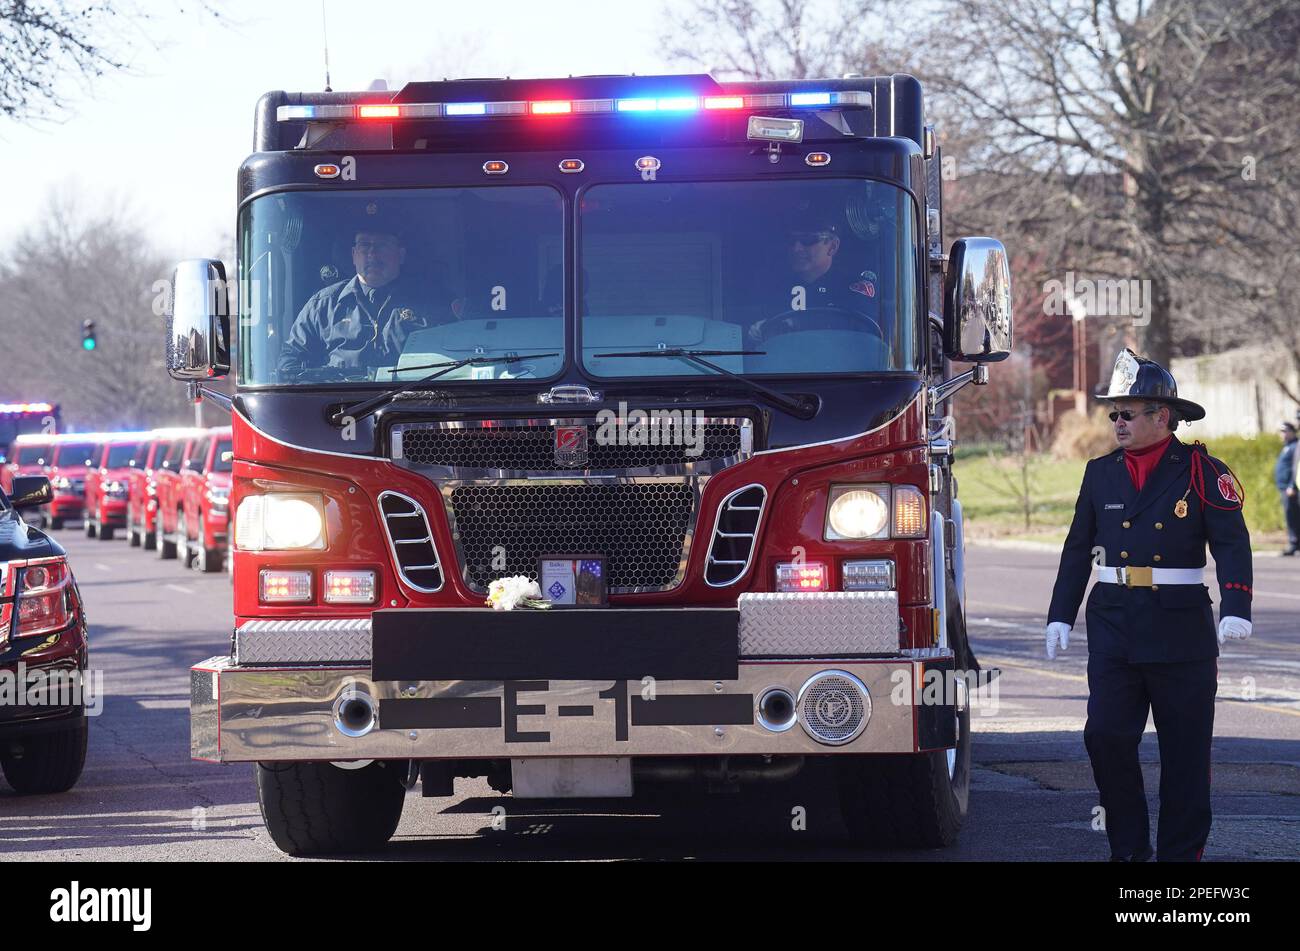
point(1180, 508)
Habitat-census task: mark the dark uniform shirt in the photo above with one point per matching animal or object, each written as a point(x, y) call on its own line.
point(1284, 473)
point(351, 325)
point(854, 291)
point(1169, 622)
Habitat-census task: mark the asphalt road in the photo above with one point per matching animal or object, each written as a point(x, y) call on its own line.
point(141, 798)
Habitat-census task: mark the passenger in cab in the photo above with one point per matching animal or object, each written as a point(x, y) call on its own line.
point(817, 292)
point(364, 321)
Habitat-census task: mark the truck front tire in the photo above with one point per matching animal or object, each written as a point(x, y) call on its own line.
point(47, 762)
point(915, 800)
point(320, 809)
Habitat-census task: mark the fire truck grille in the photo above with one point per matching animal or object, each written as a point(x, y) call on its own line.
point(532, 448)
point(641, 528)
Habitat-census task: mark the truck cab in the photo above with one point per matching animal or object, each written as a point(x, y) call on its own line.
point(142, 486)
point(668, 355)
point(29, 455)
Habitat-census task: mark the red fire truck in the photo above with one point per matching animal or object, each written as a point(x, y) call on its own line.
point(676, 349)
point(25, 424)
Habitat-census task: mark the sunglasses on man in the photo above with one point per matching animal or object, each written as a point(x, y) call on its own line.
point(808, 238)
point(1128, 415)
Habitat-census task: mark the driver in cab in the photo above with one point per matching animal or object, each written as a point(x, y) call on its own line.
point(364, 321)
point(814, 287)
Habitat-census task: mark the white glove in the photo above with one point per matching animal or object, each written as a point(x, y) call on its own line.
point(1058, 632)
point(1234, 627)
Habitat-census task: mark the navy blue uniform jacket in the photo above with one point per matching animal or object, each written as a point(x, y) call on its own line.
point(1167, 623)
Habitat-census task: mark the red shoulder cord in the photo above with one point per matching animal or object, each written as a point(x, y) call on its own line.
point(1200, 458)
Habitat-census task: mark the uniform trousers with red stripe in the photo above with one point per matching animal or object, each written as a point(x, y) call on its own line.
point(1180, 697)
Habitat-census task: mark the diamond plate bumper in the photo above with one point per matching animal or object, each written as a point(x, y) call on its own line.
point(329, 641)
point(824, 624)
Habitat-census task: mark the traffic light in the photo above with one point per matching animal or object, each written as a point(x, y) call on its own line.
point(88, 341)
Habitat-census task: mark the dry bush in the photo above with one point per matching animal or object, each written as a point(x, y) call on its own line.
point(1083, 437)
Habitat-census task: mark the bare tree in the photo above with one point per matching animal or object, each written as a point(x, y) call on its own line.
point(46, 43)
point(75, 266)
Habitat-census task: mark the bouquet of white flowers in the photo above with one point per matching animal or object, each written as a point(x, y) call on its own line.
point(506, 594)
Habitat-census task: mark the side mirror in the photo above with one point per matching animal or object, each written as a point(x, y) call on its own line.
point(977, 302)
point(198, 321)
point(30, 491)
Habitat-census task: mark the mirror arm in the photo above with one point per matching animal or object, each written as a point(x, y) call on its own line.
point(199, 391)
point(978, 374)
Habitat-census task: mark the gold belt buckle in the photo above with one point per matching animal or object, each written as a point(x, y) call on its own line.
point(1133, 576)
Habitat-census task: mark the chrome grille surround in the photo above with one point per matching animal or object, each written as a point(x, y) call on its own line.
point(410, 541)
point(660, 486)
point(465, 450)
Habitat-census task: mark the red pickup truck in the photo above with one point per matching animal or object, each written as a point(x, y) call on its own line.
point(106, 484)
point(201, 524)
point(167, 482)
point(142, 484)
point(74, 455)
point(31, 456)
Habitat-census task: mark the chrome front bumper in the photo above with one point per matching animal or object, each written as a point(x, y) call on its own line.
point(239, 714)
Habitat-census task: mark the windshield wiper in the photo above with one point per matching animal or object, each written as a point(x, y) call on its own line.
point(798, 407)
point(366, 407)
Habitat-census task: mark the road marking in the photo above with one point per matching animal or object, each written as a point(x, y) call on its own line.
point(179, 587)
point(102, 567)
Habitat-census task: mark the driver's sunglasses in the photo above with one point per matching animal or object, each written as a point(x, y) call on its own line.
point(365, 247)
point(1128, 415)
point(808, 238)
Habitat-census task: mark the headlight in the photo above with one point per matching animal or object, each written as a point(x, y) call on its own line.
point(857, 511)
point(115, 488)
point(218, 497)
point(279, 521)
point(62, 482)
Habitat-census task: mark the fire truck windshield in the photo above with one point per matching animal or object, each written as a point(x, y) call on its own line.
point(788, 276)
point(791, 276)
point(357, 286)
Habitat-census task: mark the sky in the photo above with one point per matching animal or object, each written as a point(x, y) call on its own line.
point(162, 141)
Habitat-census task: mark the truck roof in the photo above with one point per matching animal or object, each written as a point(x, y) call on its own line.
point(451, 115)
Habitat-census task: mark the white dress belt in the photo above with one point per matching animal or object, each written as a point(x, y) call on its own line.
point(1133, 576)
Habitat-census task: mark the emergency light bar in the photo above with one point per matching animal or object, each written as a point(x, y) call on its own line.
point(8, 408)
point(665, 104)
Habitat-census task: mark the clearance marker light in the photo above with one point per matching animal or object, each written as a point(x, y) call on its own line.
point(648, 163)
point(327, 171)
point(378, 112)
point(496, 167)
point(551, 108)
point(467, 108)
point(816, 159)
point(810, 99)
point(572, 165)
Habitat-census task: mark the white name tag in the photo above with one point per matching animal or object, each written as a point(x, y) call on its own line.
point(1114, 505)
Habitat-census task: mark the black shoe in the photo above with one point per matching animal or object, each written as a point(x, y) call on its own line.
point(1289, 552)
point(1144, 855)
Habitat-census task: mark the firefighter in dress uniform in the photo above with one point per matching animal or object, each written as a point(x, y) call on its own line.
point(1144, 516)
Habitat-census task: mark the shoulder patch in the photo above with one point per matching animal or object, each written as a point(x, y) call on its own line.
point(1228, 488)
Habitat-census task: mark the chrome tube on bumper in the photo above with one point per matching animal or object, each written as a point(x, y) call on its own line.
point(315, 713)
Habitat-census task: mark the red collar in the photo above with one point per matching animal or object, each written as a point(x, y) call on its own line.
point(1140, 462)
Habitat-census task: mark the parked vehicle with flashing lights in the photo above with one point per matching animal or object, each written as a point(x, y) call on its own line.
point(74, 456)
point(201, 522)
point(107, 484)
point(142, 485)
point(25, 421)
point(680, 350)
point(43, 642)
